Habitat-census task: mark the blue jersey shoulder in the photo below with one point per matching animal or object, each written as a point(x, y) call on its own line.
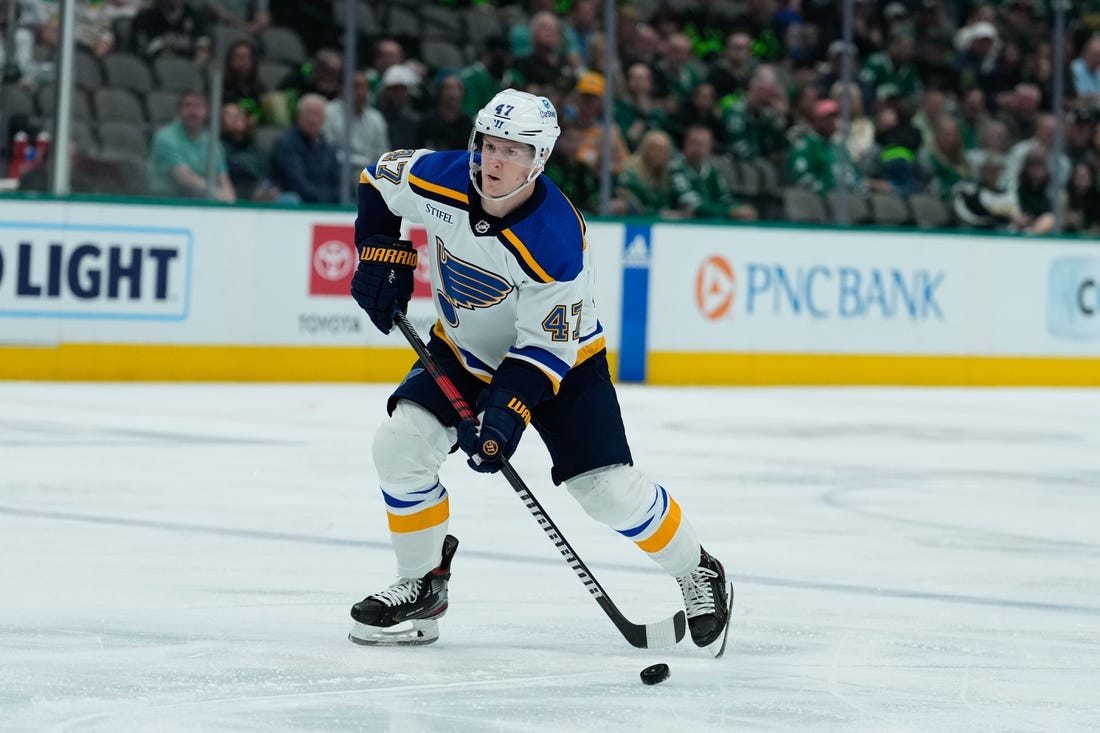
point(552, 236)
point(448, 170)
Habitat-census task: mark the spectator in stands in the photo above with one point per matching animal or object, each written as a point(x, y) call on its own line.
point(491, 73)
point(636, 109)
point(1020, 110)
point(577, 180)
point(993, 144)
point(1042, 143)
point(816, 161)
point(761, 19)
point(754, 125)
point(805, 99)
point(1083, 202)
point(385, 52)
point(709, 24)
point(835, 72)
point(645, 183)
point(370, 137)
point(1034, 209)
point(521, 34)
point(180, 154)
point(984, 203)
point(897, 143)
point(702, 109)
point(943, 164)
point(582, 23)
point(546, 66)
point(977, 49)
point(447, 127)
point(245, 164)
point(893, 68)
point(859, 138)
point(402, 121)
point(730, 72)
point(1085, 73)
point(589, 117)
point(699, 187)
point(973, 116)
point(676, 73)
point(303, 164)
point(171, 27)
point(1079, 133)
point(933, 106)
point(240, 82)
point(250, 16)
point(322, 75)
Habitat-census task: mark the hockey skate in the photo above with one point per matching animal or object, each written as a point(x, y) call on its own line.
point(708, 598)
point(406, 613)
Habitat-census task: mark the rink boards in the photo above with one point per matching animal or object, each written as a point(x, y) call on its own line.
point(119, 292)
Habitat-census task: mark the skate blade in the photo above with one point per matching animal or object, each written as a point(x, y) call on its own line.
point(718, 646)
point(413, 633)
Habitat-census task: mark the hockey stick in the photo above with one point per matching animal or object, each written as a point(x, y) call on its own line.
point(657, 635)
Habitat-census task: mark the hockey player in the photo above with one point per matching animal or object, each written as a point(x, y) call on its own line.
point(518, 334)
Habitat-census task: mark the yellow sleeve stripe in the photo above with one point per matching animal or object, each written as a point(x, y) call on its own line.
point(664, 534)
point(437, 189)
point(430, 517)
point(580, 221)
point(523, 252)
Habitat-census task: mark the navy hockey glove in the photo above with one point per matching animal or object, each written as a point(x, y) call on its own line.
point(503, 418)
point(383, 282)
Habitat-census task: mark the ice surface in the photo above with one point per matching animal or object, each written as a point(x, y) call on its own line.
point(183, 557)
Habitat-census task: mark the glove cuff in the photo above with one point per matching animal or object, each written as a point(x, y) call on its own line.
point(518, 379)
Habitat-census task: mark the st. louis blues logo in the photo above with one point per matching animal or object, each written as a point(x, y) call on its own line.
point(465, 285)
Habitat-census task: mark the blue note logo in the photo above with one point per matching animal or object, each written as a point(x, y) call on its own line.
point(1073, 298)
point(465, 285)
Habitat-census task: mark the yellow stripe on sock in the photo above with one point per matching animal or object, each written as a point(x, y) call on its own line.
point(430, 517)
point(664, 534)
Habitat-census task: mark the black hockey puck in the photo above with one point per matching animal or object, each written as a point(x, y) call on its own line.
point(655, 674)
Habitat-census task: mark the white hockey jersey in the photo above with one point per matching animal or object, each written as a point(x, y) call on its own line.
point(518, 287)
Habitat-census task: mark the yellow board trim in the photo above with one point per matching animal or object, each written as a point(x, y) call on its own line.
point(659, 540)
point(430, 517)
point(206, 363)
point(684, 368)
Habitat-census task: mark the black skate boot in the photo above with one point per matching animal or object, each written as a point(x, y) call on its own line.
point(708, 598)
point(407, 612)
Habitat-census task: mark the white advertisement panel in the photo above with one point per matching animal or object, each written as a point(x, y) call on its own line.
point(721, 289)
point(84, 273)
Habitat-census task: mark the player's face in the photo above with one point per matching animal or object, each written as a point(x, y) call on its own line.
point(505, 165)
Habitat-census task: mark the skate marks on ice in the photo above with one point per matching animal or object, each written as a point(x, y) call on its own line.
point(903, 560)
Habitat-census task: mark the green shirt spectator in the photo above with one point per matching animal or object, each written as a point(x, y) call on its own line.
point(576, 179)
point(646, 182)
point(698, 185)
point(754, 124)
point(637, 111)
point(815, 161)
point(488, 75)
point(179, 155)
point(891, 72)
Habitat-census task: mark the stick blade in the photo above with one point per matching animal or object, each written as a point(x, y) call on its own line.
point(657, 635)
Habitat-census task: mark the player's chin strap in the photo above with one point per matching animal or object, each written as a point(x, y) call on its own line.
point(661, 634)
